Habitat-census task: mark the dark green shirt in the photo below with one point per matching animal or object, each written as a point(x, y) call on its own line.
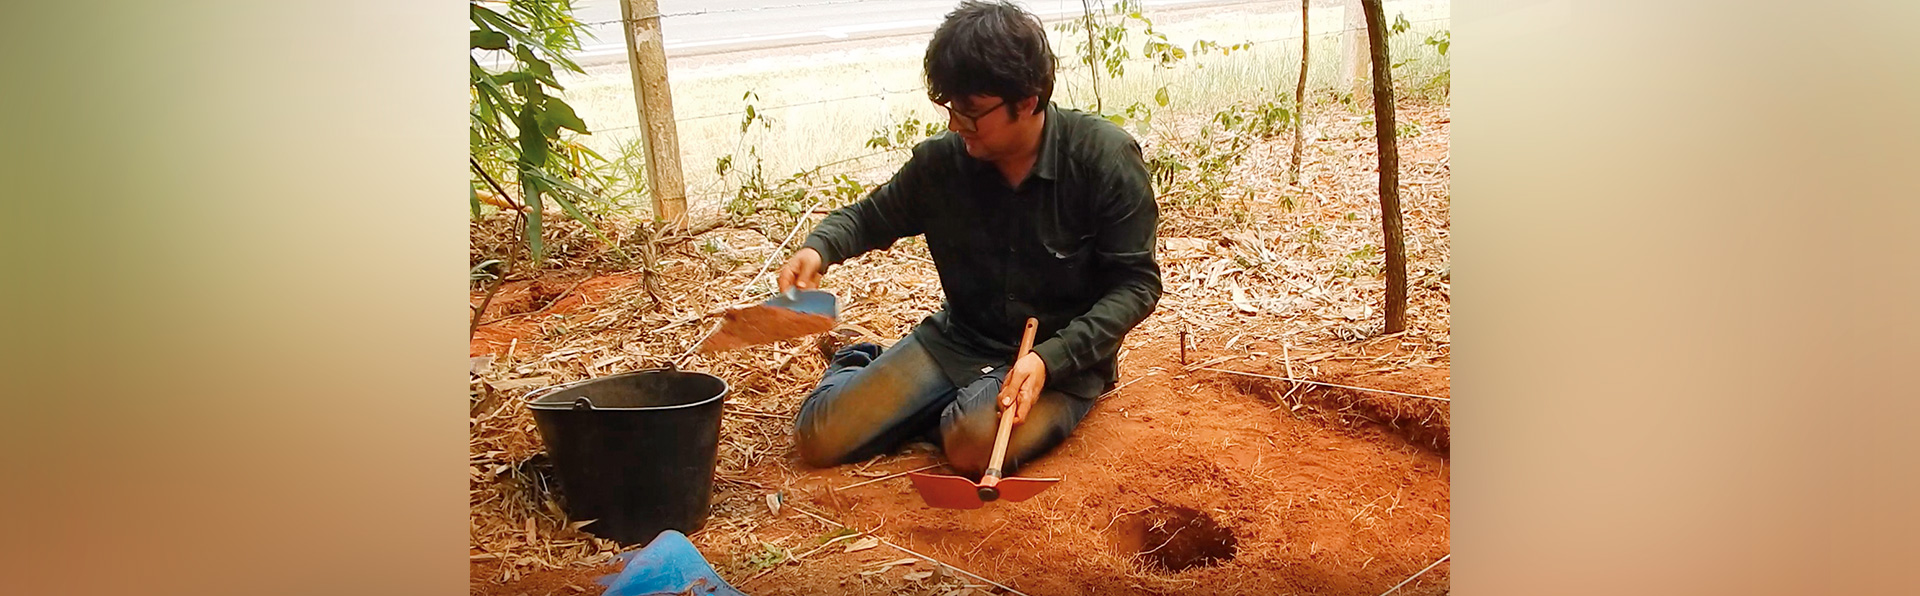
point(1072, 246)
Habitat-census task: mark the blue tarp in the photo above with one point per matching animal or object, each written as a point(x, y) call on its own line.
point(668, 565)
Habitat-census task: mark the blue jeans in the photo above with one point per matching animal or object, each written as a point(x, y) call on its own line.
point(871, 401)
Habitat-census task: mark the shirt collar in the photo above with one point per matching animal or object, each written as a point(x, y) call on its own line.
point(1046, 165)
point(1050, 142)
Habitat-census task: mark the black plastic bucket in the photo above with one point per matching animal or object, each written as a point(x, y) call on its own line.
point(634, 451)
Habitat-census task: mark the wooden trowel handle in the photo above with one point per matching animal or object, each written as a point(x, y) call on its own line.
point(992, 476)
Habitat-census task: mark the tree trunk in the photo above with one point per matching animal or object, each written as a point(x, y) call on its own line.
point(1299, 97)
point(647, 59)
point(1383, 127)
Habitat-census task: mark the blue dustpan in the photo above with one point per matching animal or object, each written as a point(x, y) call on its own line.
point(668, 565)
point(791, 314)
point(817, 302)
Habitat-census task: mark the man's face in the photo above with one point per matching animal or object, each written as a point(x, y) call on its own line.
point(983, 123)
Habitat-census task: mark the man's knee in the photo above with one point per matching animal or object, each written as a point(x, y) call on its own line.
point(819, 441)
point(817, 450)
point(968, 441)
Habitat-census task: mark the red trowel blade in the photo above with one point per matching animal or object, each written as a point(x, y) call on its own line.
point(947, 492)
point(1021, 489)
point(955, 492)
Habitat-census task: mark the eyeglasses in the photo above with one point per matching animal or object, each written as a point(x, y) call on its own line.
point(964, 122)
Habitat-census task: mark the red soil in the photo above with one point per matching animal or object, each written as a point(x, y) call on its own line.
point(1347, 494)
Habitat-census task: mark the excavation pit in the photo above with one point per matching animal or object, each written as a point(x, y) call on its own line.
point(1174, 539)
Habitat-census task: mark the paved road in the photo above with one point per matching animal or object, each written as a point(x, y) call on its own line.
point(696, 27)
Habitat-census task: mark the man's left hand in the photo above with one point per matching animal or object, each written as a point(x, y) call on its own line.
point(1023, 385)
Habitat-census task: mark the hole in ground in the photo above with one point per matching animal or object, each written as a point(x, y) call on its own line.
point(1174, 538)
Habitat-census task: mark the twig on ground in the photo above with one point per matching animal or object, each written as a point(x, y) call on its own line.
point(1164, 544)
point(905, 550)
point(1417, 575)
point(1117, 518)
point(1213, 362)
point(745, 482)
point(1286, 357)
point(889, 476)
point(1236, 372)
point(1117, 389)
point(747, 412)
point(983, 540)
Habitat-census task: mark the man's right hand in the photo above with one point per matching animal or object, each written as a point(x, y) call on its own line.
point(802, 270)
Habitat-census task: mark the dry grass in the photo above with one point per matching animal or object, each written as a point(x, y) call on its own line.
point(1293, 276)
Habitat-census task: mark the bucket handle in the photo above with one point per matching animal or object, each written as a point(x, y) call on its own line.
point(585, 403)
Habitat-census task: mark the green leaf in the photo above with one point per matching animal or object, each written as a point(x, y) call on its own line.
point(475, 202)
point(512, 77)
point(1117, 119)
point(534, 65)
point(573, 210)
point(1160, 97)
point(549, 129)
point(528, 88)
point(487, 40)
point(562, 115)
point(533, 144)
point(530, 191)
point(589, 152)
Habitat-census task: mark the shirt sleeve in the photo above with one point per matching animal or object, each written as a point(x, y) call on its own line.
point(891, 212)
point(1123, 245)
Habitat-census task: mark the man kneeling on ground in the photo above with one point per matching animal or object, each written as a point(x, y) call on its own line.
point(1029, 210)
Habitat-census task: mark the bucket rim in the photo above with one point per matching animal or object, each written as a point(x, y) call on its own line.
point(532, 398)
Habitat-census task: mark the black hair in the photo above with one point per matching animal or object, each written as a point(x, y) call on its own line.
point(990, 48)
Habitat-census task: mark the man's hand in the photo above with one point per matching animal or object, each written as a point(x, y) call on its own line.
point(802, 270)
point(1023, 385)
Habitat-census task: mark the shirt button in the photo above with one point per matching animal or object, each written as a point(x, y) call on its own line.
point(1011, 297)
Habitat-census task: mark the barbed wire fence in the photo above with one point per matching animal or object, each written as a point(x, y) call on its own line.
point(861, 162)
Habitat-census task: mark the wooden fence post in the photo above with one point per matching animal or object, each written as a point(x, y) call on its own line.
point(647, 59)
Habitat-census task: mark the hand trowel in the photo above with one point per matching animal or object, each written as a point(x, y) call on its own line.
point(790, 314)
